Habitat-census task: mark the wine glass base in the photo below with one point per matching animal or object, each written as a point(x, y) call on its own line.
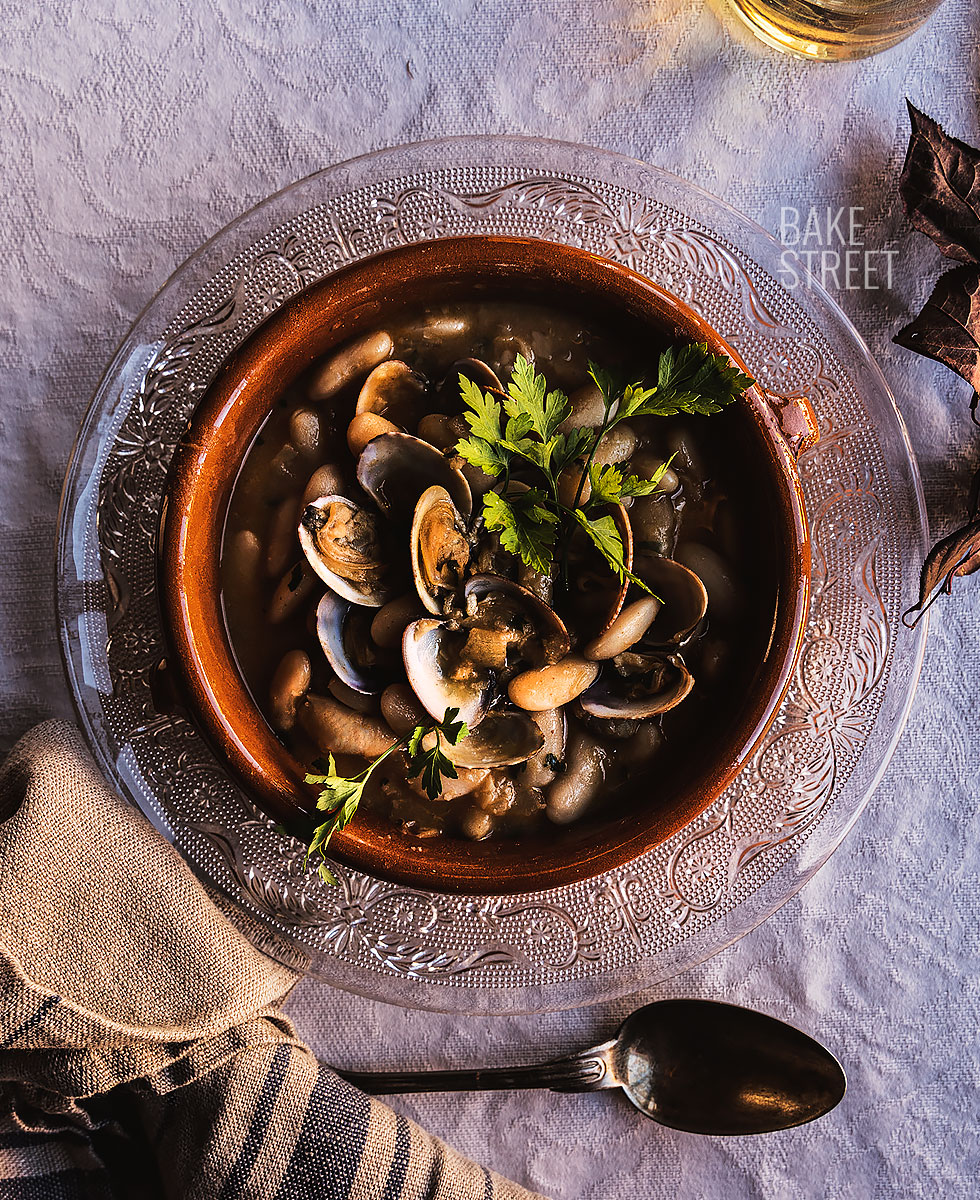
point(806, 40)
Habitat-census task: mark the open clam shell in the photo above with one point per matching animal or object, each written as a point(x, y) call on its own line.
point(343, 544)
point(396, 468)
point(393, 390)
point(537, 634)
point(685, 600)
point(439, 546)
point(474, 369)
point(500, 740)
point(442, 675)
point(646, 685)
point(343, 630)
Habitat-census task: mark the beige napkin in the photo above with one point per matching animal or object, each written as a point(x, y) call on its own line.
point(142, 1050)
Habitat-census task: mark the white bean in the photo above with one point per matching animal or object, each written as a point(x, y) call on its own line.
point(543, 766)
point(348, 364)
point(392, 390)
point(480, 482)
point(616, 446)
point(347, 696)
point(441, 431)
point(392, 619)
point(476, 824)
point(551, 687)
point(646, 466)
point(335, 727)
point(305, 432)
point(588, 408)
point(568, 483)
point(641, 747)
point(327, 480)
point(295, 587)
point(437, 329)
point(688, 461)
point(281, 540)
point(364, 427)
point(652, 518)
point(573, 792)
point(289, 685)
point(401, 708)
point(716, 575)
point(631, 624)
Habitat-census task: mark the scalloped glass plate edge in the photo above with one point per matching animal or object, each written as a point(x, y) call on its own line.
point(540, 951)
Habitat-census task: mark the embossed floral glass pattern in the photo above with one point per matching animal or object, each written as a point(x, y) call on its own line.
point(764, 836)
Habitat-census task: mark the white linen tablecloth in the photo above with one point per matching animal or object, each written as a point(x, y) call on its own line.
point(133, 131)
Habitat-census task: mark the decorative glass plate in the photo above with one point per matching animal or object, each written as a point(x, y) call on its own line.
point(784, 814)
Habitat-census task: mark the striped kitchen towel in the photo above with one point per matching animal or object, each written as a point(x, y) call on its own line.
point(142, 1049)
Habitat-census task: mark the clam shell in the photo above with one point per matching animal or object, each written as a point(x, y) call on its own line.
point(394, 391)
point(500, 740)
point(440, 550)
point(431, 652)
point(342, 543)
point(474, 369)
point(492, 601)
point(685, 600)
point(615, 697)
point(396, 468)
point(346, 643)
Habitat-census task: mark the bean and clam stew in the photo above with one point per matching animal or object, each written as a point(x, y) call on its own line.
point(476, 580)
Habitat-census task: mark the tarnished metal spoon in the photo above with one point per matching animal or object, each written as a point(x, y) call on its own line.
point(691, 1064)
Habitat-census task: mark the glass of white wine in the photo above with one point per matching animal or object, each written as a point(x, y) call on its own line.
point(833, 29)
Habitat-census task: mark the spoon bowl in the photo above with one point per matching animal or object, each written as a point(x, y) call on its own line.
point(696, 1065)
point(716, 1068)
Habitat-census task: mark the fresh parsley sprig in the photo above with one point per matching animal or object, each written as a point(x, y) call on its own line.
point(523, 426)
point(340, 795)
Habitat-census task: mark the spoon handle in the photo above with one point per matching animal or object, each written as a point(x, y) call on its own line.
point(585, 1072)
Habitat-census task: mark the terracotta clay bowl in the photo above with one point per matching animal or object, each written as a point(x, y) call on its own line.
point(354, 301)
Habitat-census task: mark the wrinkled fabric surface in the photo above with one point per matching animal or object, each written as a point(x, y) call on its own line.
point(142, 1046)
point(133, 132)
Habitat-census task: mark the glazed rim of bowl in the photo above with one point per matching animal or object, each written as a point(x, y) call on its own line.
point(355, 300)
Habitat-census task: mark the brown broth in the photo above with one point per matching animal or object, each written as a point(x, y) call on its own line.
point(720, 515)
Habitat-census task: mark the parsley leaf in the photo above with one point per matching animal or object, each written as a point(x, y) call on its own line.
point(606, 538)
point(452, 729)
point(633, 485)
point(431, 764)
point(609, 486)
point(608, 384)
point(526, 525)
point(607, 483)
point(340, 796)
point(485, 455)
point(485, 416)
point(693, 380)
point(532, 523)
point(528, 395)
point(634, 401)
point(689, 380)
point(567, 447)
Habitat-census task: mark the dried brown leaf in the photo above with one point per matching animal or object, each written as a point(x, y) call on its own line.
point(956, 555)
point(948, 328)
point(940, 187)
